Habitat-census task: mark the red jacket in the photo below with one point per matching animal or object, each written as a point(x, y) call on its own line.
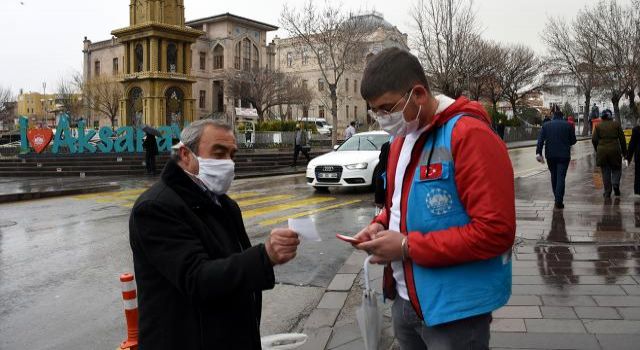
point(485, 183)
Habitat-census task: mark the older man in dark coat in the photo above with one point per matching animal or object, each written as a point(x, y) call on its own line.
point(199, 279)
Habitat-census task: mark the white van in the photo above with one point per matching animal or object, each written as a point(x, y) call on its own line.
point(321, 124)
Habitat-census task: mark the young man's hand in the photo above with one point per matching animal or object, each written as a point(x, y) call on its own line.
point(385, 248)
point(369, 233)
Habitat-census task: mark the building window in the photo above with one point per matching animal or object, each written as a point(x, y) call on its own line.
point(96, 69)
point(320, 111)
point(139, 58)
point(289, 59)
point(203, 61)
point(355, 86)
point(304, 84)
point(236, 57)
point(355, 112)
point(320, 85)
point(346, 86)
point(347, 110)
point(305, 57)
point(256, 57)
point(218, 57)
point(246, 54)
point(203, 97)
point(115, 66)
point(172, 57)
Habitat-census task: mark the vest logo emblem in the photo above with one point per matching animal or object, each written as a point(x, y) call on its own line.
point(439, 201)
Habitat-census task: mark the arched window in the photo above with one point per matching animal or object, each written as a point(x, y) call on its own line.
point(256, 57)
point(139, 58)
point(218, 57)
point(246, 54)
point(172, 57)
point(174, 99)
point(135, 106)
point(236, 57)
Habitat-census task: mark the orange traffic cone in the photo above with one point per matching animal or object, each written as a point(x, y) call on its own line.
point(129, 297)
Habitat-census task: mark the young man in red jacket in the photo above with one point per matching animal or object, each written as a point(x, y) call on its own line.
point(448, 224)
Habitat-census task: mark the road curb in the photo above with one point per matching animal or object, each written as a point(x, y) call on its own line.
point(17, 197)
point(319, 324)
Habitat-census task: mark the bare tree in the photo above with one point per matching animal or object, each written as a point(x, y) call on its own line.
point(445, 40)
point(484, 63)
point(102, 95)
point(522, 67)
point(69, 97)
point(6, 96)
point(336, 40)
point(572, 48)
point(613, 29)
point(265, 88)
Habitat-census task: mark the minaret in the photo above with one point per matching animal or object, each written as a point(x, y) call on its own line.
point(157, 69)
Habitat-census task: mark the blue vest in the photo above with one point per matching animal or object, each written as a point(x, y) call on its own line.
point(447, 294)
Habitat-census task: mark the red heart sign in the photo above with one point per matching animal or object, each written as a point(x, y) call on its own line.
point(39, 138)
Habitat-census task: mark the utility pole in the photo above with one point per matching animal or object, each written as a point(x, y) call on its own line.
point(44, 102)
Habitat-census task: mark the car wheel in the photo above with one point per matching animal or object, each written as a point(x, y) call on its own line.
point(321, 189)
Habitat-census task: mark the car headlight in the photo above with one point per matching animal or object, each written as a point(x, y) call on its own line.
point(357, 166)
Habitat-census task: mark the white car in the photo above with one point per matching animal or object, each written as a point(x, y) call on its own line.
point(349, 165)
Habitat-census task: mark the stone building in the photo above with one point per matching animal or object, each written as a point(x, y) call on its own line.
point(292, 57)
point(224, 43)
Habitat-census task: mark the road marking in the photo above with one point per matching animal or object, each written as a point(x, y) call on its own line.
point(306, 213)
point(132, 192)
point(286, 206)
point(242, 195)
point(262, 200)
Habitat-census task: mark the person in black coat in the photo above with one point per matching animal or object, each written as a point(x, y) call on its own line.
point(558, 136)
point(151, 151)
point(199, 279)
point(634, 153)
point(378, 175)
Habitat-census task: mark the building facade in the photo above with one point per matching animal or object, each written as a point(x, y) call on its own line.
point(225, 43)
point(42, 109)
point(292, 57)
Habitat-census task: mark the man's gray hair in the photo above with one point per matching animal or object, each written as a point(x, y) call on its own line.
point(191, 135)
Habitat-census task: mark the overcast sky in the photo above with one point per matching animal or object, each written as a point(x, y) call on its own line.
point(42, 39)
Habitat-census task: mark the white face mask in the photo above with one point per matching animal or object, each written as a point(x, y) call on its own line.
point(395, 124)
point(216, 174)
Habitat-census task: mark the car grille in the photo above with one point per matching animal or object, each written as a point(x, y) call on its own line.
point(328, 169)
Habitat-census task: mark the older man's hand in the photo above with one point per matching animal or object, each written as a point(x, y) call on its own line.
point(281, 245)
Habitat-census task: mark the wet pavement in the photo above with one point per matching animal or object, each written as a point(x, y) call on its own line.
point(60, 257)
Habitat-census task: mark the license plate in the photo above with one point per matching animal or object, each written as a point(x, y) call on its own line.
point(328, 176)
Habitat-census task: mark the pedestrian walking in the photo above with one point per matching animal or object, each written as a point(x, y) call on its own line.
point(301, 144)
point(442, 232)
point(150, 147)
point(379, 174)
point(500, 128)
point(556, 138)
point(611, 147)
point(199, 280)
point(634, 154)
point(350, 130)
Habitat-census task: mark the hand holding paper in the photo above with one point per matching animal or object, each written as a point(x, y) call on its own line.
point(305, 228)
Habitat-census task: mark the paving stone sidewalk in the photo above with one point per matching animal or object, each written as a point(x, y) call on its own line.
point(576, 274)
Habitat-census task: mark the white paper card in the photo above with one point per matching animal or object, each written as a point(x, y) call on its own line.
point(305, 228)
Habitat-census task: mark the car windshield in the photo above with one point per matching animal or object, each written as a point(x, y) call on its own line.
point(364, 143)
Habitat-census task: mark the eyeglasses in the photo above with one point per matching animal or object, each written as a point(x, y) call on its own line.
point(382, 113)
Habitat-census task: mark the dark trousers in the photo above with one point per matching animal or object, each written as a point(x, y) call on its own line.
point(610, 178)
point(412, 334)
point(297, 149)
point(558, 168)
point(150, 163)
